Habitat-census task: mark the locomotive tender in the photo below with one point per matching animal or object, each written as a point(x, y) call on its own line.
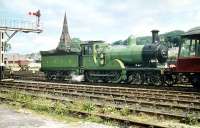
point(100, 61)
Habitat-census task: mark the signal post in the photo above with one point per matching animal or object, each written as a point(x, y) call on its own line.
point(8, 28)
point(1, 55)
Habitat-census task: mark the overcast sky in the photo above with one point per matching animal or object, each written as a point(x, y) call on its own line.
point(108, 20)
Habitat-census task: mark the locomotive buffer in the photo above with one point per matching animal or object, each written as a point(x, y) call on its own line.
point(13, 26)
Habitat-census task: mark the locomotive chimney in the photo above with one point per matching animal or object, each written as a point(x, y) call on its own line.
point(155, 37)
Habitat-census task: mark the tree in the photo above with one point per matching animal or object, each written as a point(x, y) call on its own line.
point(75, 45)
point(144, 40)
point(173, 37)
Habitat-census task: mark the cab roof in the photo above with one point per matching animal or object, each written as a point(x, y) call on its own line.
point(92, 42)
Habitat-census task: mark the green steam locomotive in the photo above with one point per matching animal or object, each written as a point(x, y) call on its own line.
point(98, 61)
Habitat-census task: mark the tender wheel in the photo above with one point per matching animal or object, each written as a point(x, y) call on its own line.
point(49, 76)
point(2, 76)
point(61, 78)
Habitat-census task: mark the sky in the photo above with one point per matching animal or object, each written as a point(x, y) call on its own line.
point(107, 20)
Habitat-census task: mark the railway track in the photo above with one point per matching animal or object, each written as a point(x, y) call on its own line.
point(39, 76)
point(170, 104)
point(122, 121)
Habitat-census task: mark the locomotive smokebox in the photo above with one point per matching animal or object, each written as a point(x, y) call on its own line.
point(155, 37)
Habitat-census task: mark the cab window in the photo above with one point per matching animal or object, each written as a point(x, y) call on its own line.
point(87, 50)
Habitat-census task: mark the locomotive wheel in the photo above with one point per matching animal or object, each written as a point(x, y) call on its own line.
point(148, 78)
point(105, 79)
point(136, 79)
point(155, 79)
point(168, 80)
point(116, 78)
point(129, 79)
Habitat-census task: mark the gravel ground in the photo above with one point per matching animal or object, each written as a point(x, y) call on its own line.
point(10, 118)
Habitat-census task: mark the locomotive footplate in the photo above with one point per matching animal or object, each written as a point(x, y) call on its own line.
point(144, 69)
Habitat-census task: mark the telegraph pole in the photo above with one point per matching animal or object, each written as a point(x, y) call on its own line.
point(13, 26)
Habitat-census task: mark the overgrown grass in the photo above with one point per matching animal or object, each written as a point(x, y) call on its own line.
point(88, 106)
point(125, 111)
point(190, 119)
point(62, 110)
point(54, 109)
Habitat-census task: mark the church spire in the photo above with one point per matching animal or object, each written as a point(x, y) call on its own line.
point(64, 38)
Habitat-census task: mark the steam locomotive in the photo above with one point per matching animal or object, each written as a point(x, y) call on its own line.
point(128, 62)
point(100, 61)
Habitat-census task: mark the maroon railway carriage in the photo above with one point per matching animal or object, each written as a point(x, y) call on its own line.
point(187, 67)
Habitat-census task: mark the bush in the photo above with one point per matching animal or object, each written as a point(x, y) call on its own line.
point(41, 104)
point(94, 119)
point(190, 119)
point(125, 111)
point(60, 108)
point(108, 109)
point(88, 106)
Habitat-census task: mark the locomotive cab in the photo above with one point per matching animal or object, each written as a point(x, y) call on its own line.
point(188, 62)
point(90, 53)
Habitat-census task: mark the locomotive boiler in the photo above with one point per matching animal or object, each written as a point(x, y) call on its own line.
point(131, 53)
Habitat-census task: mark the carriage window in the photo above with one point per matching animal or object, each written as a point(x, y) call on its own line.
point(88, 50)
point(189, 48)
point(198, 48)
